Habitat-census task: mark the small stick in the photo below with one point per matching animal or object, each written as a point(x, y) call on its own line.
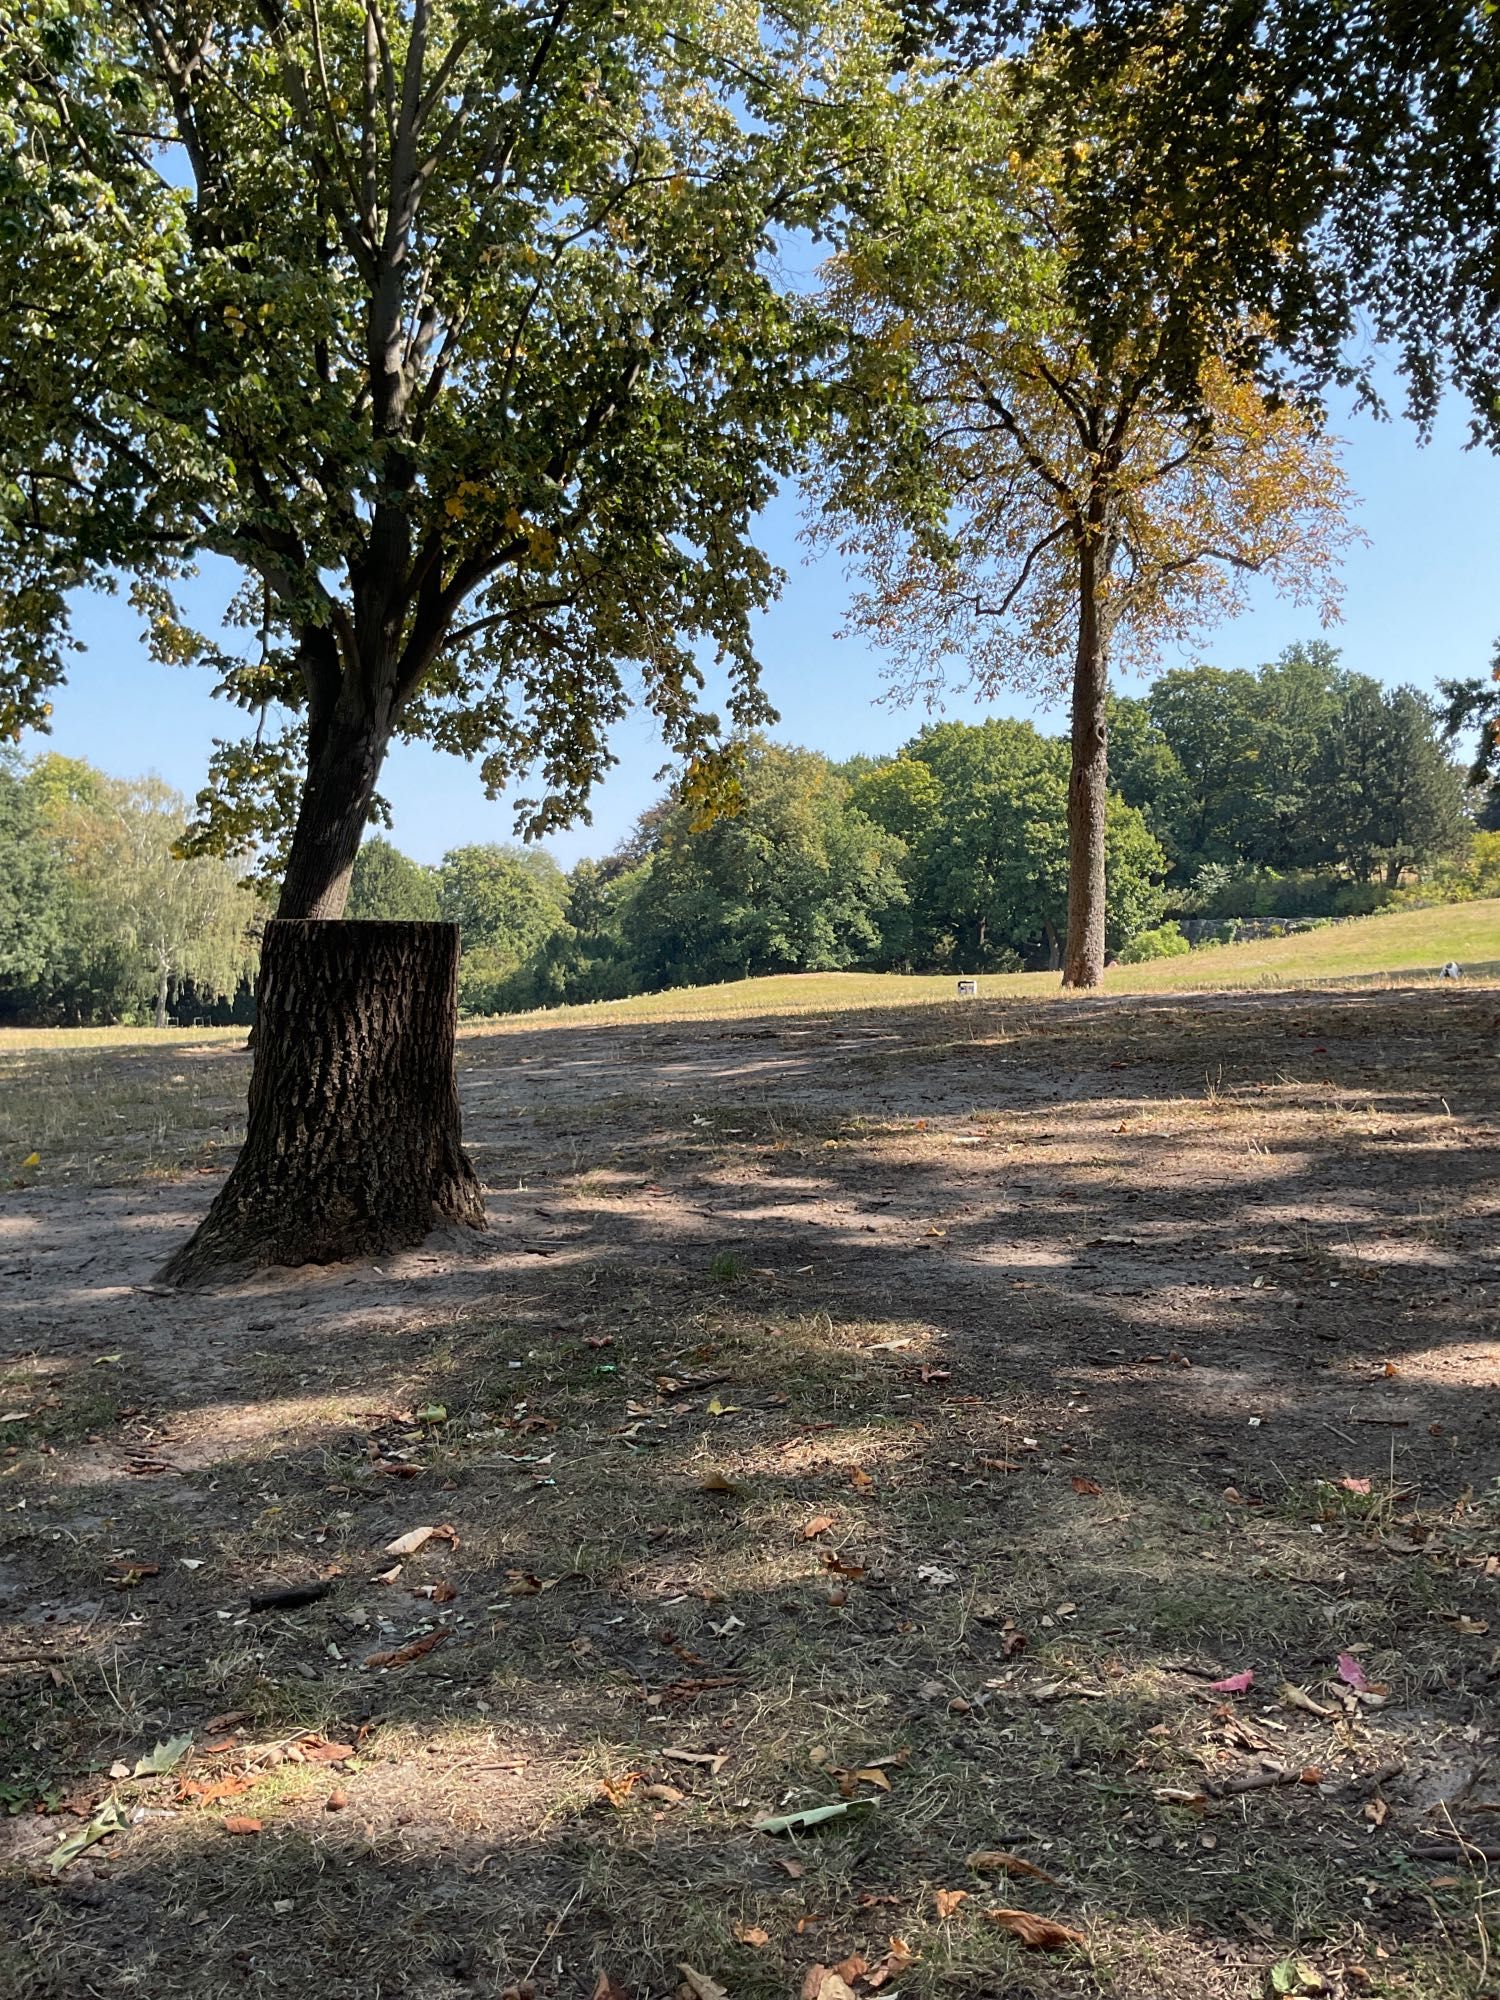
point(291, 1597)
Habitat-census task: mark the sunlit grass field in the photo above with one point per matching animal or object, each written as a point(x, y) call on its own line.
point(1411, 943)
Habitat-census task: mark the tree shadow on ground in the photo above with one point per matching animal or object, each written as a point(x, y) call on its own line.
point(928, 1390)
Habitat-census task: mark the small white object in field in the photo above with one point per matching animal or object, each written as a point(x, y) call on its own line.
point(968, 989)
point(1449, 971)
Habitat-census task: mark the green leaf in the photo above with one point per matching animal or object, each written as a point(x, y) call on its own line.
point(108, 1819)
point(811, 1816)
point(165, 1757)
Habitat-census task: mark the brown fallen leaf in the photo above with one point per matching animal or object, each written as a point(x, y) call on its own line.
point(606, 1987)
point(1035, 1933)
point(1082, 1485)
point(994, 1860)
point(793, 1868)
point(417, 1538)
point(698, 1986)
point(1297, 1697)
point(860, 1480)
point(209, 1791)
point(822, 1983)
point(855, 1966)
point(752, 1934)
point(818, 1525)
point(714, 1759)
point(318, 1750)
point(666, 1795)
point(896, 1960)
point(238, 1823)
point(402, 1656)
point(717, 1482)
point(948, 1900)
point(834, 1562)
point(616, 1791)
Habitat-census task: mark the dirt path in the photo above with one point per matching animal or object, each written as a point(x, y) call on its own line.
point(1118, 1347)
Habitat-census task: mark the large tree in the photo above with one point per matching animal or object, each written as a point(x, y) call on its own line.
point(1020, 495)
point(453, 326)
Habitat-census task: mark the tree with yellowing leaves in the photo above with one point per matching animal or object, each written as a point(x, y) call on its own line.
point(1017, 499)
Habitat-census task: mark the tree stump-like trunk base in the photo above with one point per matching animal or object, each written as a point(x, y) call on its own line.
point(352, 1145)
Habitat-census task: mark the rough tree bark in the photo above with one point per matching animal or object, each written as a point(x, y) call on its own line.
point(353, 1144)
point(1088, 779)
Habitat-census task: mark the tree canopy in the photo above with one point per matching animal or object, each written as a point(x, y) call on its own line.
point(453, 327)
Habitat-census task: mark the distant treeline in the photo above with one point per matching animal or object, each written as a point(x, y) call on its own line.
point(1298, 790)
point(100, 920)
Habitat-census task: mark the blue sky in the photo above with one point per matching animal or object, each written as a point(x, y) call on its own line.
point(1420, 601)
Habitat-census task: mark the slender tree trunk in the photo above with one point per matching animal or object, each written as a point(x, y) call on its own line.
point(161, 999)
point(1054, 948)
point(1088, 780)
point(353, 1144)
point(1393, 874)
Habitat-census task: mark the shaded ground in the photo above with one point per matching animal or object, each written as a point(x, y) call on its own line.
point(969, 1389)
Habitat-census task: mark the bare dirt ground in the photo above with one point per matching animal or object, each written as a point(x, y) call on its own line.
point(916, 1413)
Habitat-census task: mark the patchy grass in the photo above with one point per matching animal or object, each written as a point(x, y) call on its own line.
point(915, 1411)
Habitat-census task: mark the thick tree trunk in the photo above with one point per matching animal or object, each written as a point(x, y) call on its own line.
point(1088, 783)
point(353, 1143)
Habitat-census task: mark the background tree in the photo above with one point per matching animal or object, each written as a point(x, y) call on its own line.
point(793, 880)
point(1390, 798)
point(1475, 704)
point(100, 918)
point(386, 886)
point(1018, 497)
point(505, 901)
point(453, 328)
point(988, 866)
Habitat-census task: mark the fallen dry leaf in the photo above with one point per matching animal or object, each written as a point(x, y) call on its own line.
point(1082, 1485)
point(992, 1860)
point(416, 1538)
point(1235, 1683)
point(238, 1823)
point(1355, 1485)
point(835, 1563)
point(666, 1795)
point(208, 1792)
point(1035, 1933)
point(752, 1934)
point(616, 1791)
point(698, 1986)
point(860, 1480)
point(1296, 1697)
point(1377, 1812)
point(793, 1868)
point(403, 1656)
point(948, 1900)
point(717, 1482)
point(318, 1750)
point(820, 1983)
point(1351, 1671)
point(896, 1960)
point(606, 1987)
point(818, 1525)
point(714, 1759)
